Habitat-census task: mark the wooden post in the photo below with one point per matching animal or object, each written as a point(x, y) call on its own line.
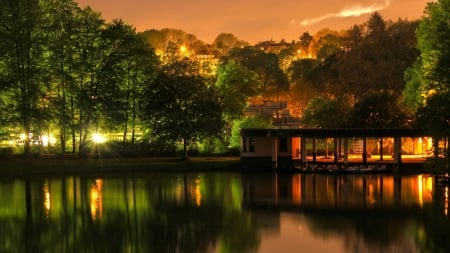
point(397, 150)
point(303, 149)
point(364, 153)
point(345, 150)
point(336, 158)
point(314, 150)
point(275, 152)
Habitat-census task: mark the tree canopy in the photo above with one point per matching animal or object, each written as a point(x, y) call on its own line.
point(182, 108)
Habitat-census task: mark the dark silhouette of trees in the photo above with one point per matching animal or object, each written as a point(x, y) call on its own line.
point(266, 65)
point(23, 70)
point(182, 108)
point(129, 66)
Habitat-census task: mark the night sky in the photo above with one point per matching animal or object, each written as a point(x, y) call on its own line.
point(253, 20)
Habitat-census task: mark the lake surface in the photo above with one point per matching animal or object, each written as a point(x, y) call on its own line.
point(223, 212)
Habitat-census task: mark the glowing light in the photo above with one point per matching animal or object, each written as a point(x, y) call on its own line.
point(48, 139)
point(98, 138)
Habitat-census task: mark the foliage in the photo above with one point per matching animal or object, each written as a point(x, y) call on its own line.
point(323, 112)
point(373, 59)
point(23, 63)
point(182, 108)
point(236, 84)
point(128, 67)
point(266, 65)
point(258, 121)
point(66, 71)
point(434, 116)
point(378, 110)
point(430, 72)
point(225, 42)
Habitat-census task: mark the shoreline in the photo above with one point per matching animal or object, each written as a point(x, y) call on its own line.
point(26, 167)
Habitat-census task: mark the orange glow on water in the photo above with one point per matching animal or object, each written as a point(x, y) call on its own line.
point(96, 199)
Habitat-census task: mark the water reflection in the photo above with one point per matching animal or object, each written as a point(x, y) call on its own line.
point(221, 212)
point(346, 192)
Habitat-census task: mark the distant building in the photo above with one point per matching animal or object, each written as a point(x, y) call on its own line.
point(278, 110)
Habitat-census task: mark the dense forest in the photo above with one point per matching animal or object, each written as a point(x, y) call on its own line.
point(69, 81)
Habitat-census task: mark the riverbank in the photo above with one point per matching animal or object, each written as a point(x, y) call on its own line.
point(123, 165)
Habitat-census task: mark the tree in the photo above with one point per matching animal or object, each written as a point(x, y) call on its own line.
point(430, 73)
point(59, 30)
point(428, 81)
point(22, 64)
point(130, 64)
point(182, 108)
point(305, 42)
point(266, 65)
point(224, 42)
point(375, 62)
point(235, 85)
point(257, 121)
point(434, 116)
point(88, 59)
point(323, 112)
point(379, 110)
point(302, 88)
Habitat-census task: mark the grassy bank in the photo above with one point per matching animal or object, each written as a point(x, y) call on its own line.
point(100, 165)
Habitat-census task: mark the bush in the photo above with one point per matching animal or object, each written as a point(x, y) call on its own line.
point(6, 153)
point(435, 165)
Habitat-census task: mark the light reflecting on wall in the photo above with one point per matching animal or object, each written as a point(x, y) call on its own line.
point(96, 199)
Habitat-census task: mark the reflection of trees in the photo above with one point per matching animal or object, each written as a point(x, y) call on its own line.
point(368, 232)
point(435, 233)
point(137, 215)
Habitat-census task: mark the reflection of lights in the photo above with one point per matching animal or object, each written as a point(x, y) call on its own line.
point(198, 194)
point(446, 202)
point(47, 202)
point(425, 188)
point(96, 199)
point(420, 186)
point(98, 138)
point(371, 195)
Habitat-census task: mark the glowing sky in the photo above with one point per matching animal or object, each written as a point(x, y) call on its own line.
point(253, 20)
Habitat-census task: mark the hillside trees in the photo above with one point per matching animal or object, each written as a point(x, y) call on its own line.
point(266, 65)
point(372, 60)
point(376, 62)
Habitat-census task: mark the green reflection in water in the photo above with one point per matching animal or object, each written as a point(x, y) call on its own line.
point(145, 213)
point(220, 212)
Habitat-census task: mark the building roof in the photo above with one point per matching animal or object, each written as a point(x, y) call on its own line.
point(336, 132)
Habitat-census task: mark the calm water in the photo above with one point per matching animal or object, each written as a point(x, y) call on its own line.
point(224, 212)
